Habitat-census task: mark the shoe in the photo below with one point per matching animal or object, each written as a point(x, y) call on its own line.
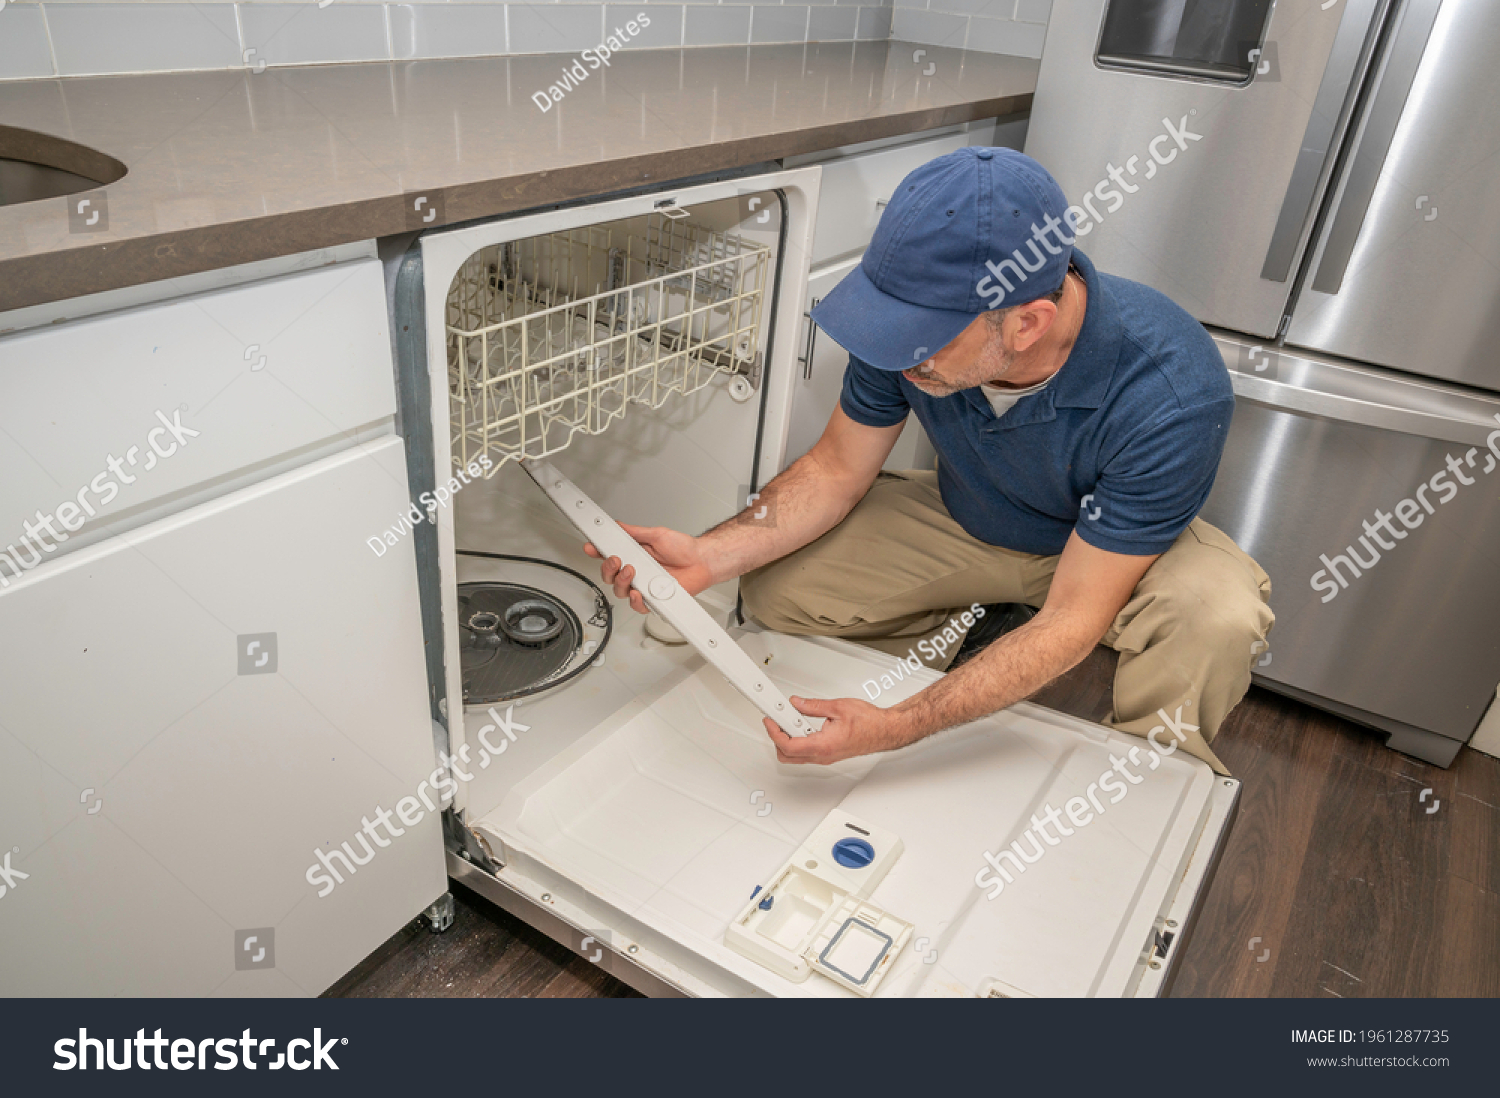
point(999, 619)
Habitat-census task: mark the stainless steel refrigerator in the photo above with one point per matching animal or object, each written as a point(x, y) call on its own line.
point(1316, 181)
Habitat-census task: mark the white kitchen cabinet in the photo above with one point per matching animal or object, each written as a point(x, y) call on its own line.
point(163, 793)
point(820, 380)
point(269, 374)
point(856, 189)
point(859, 180)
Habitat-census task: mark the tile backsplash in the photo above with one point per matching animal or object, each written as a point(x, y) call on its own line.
point(990, 26)
point(92, 37)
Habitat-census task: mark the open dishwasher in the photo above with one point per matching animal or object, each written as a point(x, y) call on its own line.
point(635, 359)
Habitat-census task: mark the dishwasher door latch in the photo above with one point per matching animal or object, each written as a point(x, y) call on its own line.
point(668, 207)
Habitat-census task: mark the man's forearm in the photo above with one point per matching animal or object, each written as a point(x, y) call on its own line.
point(1013, 667)
point(801, 504)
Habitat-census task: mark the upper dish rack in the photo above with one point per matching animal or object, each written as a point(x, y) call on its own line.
point(561, 333)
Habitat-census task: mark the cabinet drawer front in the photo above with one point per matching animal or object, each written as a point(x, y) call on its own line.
point(847, 212)
point(105, 416)
point(168, 786)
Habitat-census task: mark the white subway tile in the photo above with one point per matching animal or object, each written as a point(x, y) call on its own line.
point(874, 24)
point(665, 29)
point(717, 25)
point(305, 34)
point(555, 28)
point(1033, 11)
point(1017, 39)
point(24, 52)
point(779, 23)
point(447, 30)
point(832, 24)
point(132, 37)
point(933, 28)
point(990, 9)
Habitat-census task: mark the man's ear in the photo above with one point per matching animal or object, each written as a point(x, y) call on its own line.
point(1033, 321)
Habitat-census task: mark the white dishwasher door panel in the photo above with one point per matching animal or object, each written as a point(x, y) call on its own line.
point(259, 371)
point(164, 790)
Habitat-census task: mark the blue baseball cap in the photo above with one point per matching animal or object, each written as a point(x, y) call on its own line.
point(974, 230)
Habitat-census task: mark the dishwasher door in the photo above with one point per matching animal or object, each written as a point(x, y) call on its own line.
point(641, 843)
point(1370, 499)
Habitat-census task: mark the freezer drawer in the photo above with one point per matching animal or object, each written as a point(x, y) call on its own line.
point(648, 835)
point(1395, 627)
point(189, 715)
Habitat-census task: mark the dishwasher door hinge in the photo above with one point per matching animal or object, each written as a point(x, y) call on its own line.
point(468, 844)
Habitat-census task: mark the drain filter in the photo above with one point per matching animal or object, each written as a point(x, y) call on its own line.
point(514, 640)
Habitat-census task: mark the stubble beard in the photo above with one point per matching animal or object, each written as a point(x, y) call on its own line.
point(992, 364)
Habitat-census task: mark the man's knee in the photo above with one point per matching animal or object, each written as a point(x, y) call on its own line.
point(770, 598)
point(1223, 615)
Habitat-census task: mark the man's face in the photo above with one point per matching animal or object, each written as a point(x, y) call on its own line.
point(977, 355)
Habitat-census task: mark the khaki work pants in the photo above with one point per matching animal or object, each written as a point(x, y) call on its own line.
point(899, 569)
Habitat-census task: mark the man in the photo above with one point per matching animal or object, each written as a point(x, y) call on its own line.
point(1078, 420)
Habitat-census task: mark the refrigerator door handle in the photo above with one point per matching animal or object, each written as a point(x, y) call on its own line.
point(1351, 43)
point(1367, 159)
point(1287, 397)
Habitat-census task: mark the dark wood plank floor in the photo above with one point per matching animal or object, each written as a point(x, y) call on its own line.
point(1336, 871)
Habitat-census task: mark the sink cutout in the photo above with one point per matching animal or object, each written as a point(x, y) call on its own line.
point(36, 166)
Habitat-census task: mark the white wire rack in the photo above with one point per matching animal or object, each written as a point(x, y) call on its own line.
point(562, 333)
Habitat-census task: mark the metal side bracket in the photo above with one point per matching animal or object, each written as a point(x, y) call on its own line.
point(468, 844)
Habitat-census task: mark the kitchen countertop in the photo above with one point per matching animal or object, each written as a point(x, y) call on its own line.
point(234, 166)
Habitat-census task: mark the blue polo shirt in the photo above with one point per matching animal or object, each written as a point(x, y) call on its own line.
point(1135, 420)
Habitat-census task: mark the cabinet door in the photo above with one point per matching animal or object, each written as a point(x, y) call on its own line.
point(191, 713)
point(820, 379)
point(249, 376)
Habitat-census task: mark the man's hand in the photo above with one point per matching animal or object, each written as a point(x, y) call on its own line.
point(853, 728)
point(678, 553)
